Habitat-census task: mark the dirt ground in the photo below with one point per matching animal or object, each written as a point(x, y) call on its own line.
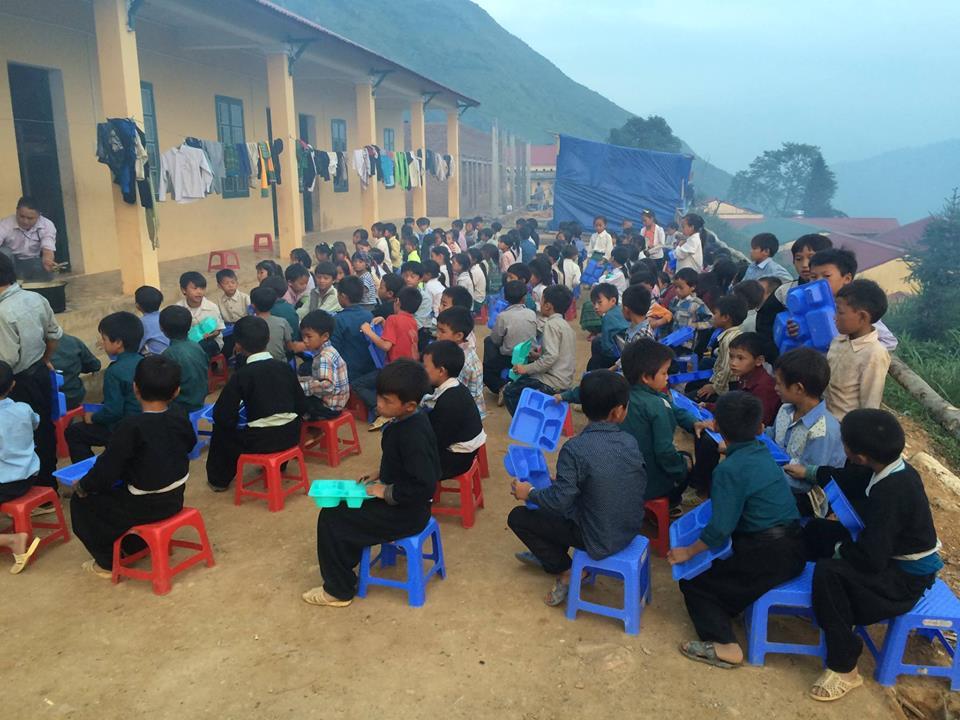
point(236, 641)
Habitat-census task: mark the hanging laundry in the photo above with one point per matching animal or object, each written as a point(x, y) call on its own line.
point(401, 170)
point(276, 151)
point(184, 173)
point(253, 155)
point(231, 161)
point(361, 164)
point(267, 175)
point(321, 160)
point(306, 167)
point(243, 158)
point(413, 169)
point(214, 151)
point(386, 169)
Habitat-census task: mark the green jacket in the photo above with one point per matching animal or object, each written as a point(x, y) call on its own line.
point(119, 399)
point(194, 366)
point(71, 358)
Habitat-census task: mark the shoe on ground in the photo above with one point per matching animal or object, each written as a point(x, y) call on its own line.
point(217, 488)
point(317, 596)
point(528, 558)
point(91, 567)
point(500, 397)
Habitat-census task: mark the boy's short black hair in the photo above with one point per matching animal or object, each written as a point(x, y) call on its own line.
point(351, 287)
point(752, 342)
point(559, 297)
point(389, 227)
point(412, 266)
point(192, 277)
point(430, 267)
point(607, 290)
point(486, 233)
point(805, 366)
point(227, 273)
point(637, 299)
point(263, 298)
point(459, 296)
point(275, 283)
point(688, 275)
point(175, 322)
point(751, 291)
point(514, 292)
point(765, 241)
point(410, 299)
point(643, 276)
point(6, 378)
point(148, 298)
point(269, 267)
point(811, 241)
point(734, 307)
point(458, 319)
point(295, 272)
point(8, 274)
point(644, 358)
point(496, 226)
point(124, 327)
point(844, 260)
point(423, 222)
point(252, 334)
point(865, 295)
point(446, 354)
point(326, 268)
point(393, 282)
point(404, 378)
point(738, 415)
point(873, 433)
point(320, 321)
point(157, 378)
point(601, 391)
point(769, 282)
point(521, 271)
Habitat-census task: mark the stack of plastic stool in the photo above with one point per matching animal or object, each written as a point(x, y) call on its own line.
point(357, 408)
point(470, 490)
point(659, 508)
point(262, 241)
point(225, 260)
point(218, 372)
point(328, 445)
point(20, 509)
point(413, 548)
point(275, 493)
point(60, 415)
point(633, 565)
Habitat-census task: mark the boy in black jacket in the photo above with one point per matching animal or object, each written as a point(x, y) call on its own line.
point(895, 559)
point(453, 412)
point(272, 398)
point(148, 454)
point(402, 489)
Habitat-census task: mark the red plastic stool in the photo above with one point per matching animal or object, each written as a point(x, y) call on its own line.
point(482, 462)
point(218, 373)
point(660, 509)
point(328, 445)
point(471, 495)
point(571, 313)
point(568, 430)
point(19, 510)
point(225, 260)
point(481, 318)
point(357, 407)
point(60, 426)
point(272, 477)
point(262, 241)
point(160, 543)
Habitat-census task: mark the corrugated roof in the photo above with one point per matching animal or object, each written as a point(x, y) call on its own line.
point(542, 155)
point(906, 236)
point(853, 225)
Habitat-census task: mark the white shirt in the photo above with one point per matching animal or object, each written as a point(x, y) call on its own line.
point(615, 277)
point(689, 253)
point(207, 309)
point(434, 289)
point(600, 243)
point(28, 243)
point(654, 249)
point(571, 273)
point(185, 173)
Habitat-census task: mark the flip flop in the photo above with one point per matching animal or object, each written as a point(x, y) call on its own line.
point(20, 561)
point(833, 686)
point(705, 652)
point(91, 567)
point(317, 596)
point(528, 558)
point(557, 595)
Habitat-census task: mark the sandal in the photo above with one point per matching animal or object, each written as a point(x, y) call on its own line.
point(558, 595)
point(91, 567)
point(705, 652)
point(528, 558)
point(20, 561)
point(317, 596)
point(832, 686)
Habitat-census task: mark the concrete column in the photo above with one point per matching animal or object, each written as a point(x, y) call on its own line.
point(283, 117)
point(453, 150)
point(119, 71)
point(418, 141)
point(495, 179)
point(367, 135)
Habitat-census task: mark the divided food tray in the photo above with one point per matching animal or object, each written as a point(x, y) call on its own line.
point(329, 493)
point(842, 508)
point(538, 420)
point(685, 531)
point(72, 473)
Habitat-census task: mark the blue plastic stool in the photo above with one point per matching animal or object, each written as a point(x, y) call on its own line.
point(633, 565)
point(203, 436)
point(791, 598)
point(413, 548)
point(936, 611)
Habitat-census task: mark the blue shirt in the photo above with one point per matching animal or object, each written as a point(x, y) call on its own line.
point(352, 344)
point(18, 459)
point(528, 249)
point(767, 268)
point(812, 441)
point(154, 341)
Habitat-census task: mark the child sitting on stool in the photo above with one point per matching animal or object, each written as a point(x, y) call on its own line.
point(403, 487)
point(148, 456)
point(596, 502)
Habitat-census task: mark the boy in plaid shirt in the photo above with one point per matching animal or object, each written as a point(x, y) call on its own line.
point(328, 388)
point(455, 324)
point(688, 310)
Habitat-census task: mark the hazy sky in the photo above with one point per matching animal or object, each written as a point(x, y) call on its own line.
point(736, 77)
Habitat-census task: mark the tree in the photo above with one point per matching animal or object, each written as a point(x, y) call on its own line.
point(794, 178)
point(935, 267)
point(652, 133)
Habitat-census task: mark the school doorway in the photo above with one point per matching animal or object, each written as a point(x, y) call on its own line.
point(36, 134)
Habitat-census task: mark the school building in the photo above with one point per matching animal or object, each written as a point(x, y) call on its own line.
point(238, 71)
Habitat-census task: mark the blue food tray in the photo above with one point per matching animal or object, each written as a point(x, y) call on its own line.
point(842, 508)
point(812, 307)
point(593, 272)
point(379, 356)
point(538, 420)
point(59, 407)
point(690, 377)
point(672, 259)
point(679, 337)
point(684, 532)
point(92, 407)
point(495, 308)
point(521, 460)
point(519, 356)
point(779, 454)
point(329, 493)
point(241, 419)
point(72, 473)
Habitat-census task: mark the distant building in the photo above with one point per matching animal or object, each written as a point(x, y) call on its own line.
point(728, 211)
point(543, 170)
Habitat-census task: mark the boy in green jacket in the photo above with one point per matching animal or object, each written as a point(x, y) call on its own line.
point(190, 356)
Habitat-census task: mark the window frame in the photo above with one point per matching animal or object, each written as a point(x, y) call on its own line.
point(152, 144)
point(338, 143)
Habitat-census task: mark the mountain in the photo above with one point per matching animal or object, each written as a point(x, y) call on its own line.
point(908, 184)
point(458, 44)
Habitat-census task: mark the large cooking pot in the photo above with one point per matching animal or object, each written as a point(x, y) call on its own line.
point(55, 291)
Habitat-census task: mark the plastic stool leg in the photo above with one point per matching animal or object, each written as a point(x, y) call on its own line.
point(415, 588)
point(631, 602)
point(274, 480)
point(891, 654)
point(467, 509)
point(364, 578)
point(573, 594)
point(438, 552)
point(160, 562)
point(477, 487)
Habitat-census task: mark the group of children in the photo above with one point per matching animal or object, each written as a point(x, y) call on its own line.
point(303, 342)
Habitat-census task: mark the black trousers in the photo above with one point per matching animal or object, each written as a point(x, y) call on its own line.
point(599, 360)
point(513, 391)
point(820, 537)
point(99, 519)
point(453, 463)
point(316, 410)
point(13, 490)
point(228, 444)
point(759, 563)
point(707, 457)
point(494, 363)
point(343, 533)
point(548, 536)
point(33, 388)
point(844, 596)
point(83, 437)
point(211, 347)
